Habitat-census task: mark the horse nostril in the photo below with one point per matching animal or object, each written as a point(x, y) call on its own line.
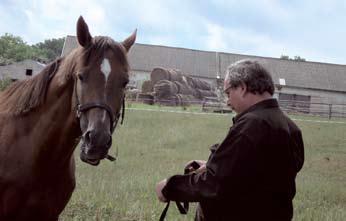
point(87, 136)
point(97, 138)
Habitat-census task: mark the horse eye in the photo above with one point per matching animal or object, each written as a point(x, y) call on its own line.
point(125, 83)
point(80, 77)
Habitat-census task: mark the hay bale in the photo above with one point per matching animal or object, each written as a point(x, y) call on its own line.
point(145, 98)
point(147, 87)
point(158, 74)
point(200, 94)
point(183, 88)
point(175, 75)
point(165, 88)
point(200, 84)
point(185, 100)
point(190, 81)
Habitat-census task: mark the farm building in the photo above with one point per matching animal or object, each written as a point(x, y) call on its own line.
point(296, 81)
point(21, 70)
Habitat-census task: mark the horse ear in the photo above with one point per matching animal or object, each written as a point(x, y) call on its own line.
point(83, 34)
point(128, 42)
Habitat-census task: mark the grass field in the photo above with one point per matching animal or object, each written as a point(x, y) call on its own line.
point(153, 145)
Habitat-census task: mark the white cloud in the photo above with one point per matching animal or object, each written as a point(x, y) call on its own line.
point(311, 29)
point(271, 9)
point(240, 41)
point(53, 19)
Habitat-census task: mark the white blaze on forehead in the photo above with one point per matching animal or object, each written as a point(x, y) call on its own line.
point(106, 68)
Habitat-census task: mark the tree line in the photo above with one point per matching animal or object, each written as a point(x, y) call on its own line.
point(14, 49)
point(295, 58)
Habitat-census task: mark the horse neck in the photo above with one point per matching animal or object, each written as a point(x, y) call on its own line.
point(58, 128)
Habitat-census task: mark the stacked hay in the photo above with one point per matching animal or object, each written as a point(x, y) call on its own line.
point(184, 100)
point(147, 87)
point(145, 98)
point(201, 94)
point(171, 87)
point(158, 74)
point(198, 84)
point(165, 88)
point(183, 88)
point(163, 92)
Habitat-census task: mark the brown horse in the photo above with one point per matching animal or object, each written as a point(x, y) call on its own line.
point(42, 119)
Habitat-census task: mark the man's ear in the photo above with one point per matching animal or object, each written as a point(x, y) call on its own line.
point(243, 88)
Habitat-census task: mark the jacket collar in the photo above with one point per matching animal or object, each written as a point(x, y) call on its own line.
point(268, 103)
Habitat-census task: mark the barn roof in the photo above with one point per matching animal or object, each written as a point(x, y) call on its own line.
point(301, 74)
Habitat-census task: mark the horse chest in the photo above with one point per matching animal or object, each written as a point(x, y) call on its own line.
point(43, 202)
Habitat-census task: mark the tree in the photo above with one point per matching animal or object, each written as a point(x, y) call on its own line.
point(13, 48)
point(296, 58)
point(285, 57)
point(51, 48)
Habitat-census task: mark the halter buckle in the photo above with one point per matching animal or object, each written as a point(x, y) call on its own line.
point(79, 112)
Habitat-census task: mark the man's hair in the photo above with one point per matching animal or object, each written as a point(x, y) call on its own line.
point(249, 72)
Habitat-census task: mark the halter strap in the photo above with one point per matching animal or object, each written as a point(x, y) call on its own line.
point(81, 108)
point(183, 209)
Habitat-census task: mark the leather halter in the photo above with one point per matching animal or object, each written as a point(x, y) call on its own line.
point(81, 108)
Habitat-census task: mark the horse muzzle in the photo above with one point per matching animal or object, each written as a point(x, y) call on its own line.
point(95, 146)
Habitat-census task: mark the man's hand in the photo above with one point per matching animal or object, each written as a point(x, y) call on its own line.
point(191, 166)
point(159, 186)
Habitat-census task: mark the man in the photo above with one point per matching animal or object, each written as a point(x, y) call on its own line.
point(251, 174)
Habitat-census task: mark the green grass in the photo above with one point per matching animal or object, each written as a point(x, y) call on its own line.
point(154, 145)
point(190, 108)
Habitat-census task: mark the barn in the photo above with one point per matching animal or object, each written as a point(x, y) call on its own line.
point(21, 70)
point(304, 84)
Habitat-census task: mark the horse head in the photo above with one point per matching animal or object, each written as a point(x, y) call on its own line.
point(99, 89)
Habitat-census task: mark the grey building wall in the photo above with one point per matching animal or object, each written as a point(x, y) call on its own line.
point(18, 70)
point(191, 62)
point(317, 96)
point(313, 75)
point(321, 81)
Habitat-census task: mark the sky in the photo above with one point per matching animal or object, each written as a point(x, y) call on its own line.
point(312, 29)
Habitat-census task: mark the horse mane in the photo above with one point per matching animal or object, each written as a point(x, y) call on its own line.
point(23, 96)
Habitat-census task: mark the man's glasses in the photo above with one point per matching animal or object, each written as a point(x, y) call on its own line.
point(227, 90)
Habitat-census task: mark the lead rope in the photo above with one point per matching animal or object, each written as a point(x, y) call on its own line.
point(123, 111)
point(183, 209)
point(109, 157)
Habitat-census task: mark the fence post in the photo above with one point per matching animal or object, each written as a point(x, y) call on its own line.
point(137, 95)
point(330, 111)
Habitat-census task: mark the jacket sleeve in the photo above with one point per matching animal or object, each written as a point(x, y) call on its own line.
point(229, 162)
point(297, 150)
